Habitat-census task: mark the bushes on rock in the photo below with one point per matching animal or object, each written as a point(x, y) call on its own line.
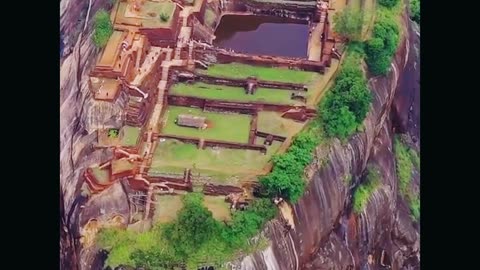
point(365, 190)
point(349, 23)
point(103, 28)
point(406, 160)
point(383, 45)
point(195, 237)
point(388, 3)
point(415, 10)
point(287, 179)
point(346, 105)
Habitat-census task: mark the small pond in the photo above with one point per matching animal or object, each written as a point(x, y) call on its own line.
point(263, 35)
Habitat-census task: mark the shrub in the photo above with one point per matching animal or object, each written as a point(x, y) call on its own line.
point(382, 46)
point(415, 10)
point(365, 190)
point(415, 207)
point(192, 239)
point(404, 166)
point(194, 226)
point(406, 159)
point(103, 28)
point(347, 104)
point(349, 23)
point(113, 133)
point(287, 179)
point(164, 17)
point(388, 3)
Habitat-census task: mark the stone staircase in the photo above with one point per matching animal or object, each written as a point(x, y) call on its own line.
point(135, 112)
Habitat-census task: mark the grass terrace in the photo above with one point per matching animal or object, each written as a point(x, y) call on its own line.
point(166, 208)
point(220, 209)
point(274, 123)
point(102, 176)
point(241, 71)
point(130, 135)
point(221, 164)
point(149, 15)
point(222, 92)
point(221, 126)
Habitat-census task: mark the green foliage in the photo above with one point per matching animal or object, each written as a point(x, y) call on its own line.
point(388, 3)
point(415, 10)
point(349, 23)
point(193, 239)
point(404, 166)
point(113, 133)
point(103, 28)
point(415, 158)
point(365, 190)
point(382, 46)
point(164, 17)
point(415, 207)
point(286, 179)
point(406, 159)
point(345, 107)
point(194, 226)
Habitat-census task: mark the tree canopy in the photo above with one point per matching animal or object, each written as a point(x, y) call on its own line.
point(103, 28)
point(347, 104)
point(388, 3)
point(349, 23)
point(383, 44)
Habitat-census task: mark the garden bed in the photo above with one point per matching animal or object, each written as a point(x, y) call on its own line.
point(241, 71)
point(222, 92)
point(223, 166)
point(221, 126)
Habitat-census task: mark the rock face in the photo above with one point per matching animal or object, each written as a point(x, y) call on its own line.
point(79, 115)
point(327, 234)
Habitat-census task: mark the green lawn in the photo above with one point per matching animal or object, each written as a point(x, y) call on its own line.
point(130, 135)
point(101, 175)
point(240, 71)
point(225, 127)
point(166, 208)
point(211, 91)
point(274, 123)
point(219, 208)
point(222, 164)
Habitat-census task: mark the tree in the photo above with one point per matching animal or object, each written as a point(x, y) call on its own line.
point(349, 23)
point(388, 3)
point(194, 226)
point(103, 28)
point(382, 46)
point(339, 123)
point(415, 10)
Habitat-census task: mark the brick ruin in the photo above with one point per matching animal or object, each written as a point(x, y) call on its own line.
point(144, 59)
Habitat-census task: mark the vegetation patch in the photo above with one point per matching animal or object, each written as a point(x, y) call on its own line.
point(223, 92)
point(365, 190)
point(415, 10)
point(103, 28)
point(346, 105)
point(224, 166)
point(130, 135)
point(221, 126)
point(209, 17)
point(349, 23)
point(242, 71)
point(383, 45)
point(388, 3)
point(405, 160)
point(193, 239)
point(287, 177)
